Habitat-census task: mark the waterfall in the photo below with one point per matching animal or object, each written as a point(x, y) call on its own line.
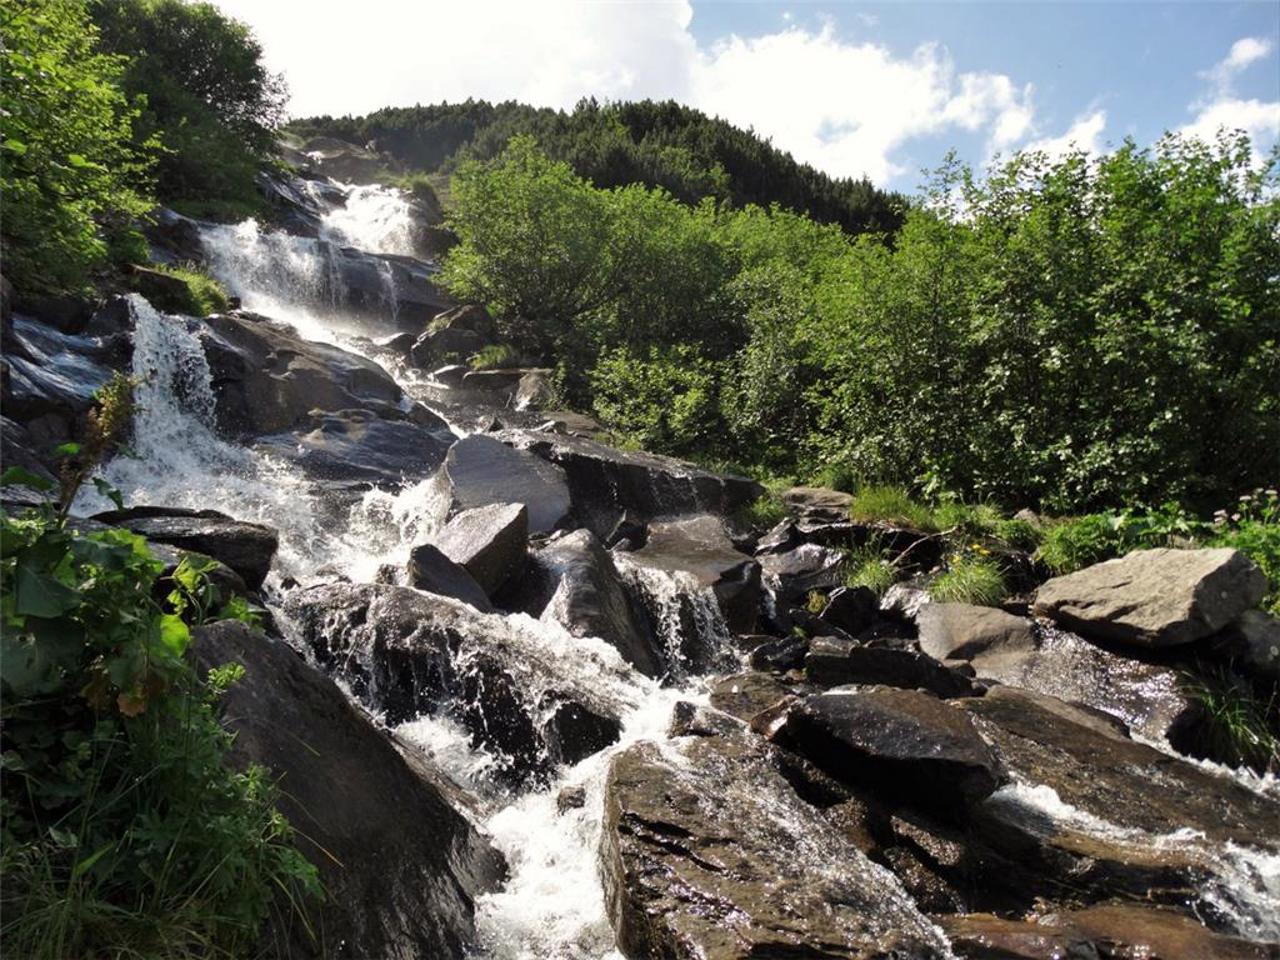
point(374, 218)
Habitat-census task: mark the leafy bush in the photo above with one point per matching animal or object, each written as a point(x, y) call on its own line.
point(969, 579)
point(72, 178)
point(207, 98)
point(1253, 528)
point(664, 401)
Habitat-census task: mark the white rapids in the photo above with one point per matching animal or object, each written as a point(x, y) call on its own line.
point(552, 906)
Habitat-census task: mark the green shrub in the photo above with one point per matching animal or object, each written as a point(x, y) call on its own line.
point(969, 579)
point(1253, 528)
point(1235, 726)
point(892, 505)
point(72, 179)
point(870, 566)
point(496, 356)
point(1069, 545)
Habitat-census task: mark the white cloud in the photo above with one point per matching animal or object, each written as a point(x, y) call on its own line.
point(847, 108)
point(1221, 109)
point(1085, 133)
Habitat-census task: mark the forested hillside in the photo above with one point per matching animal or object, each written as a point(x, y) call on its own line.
point(662, 144)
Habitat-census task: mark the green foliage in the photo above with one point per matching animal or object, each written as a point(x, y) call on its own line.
point(970, 579)
point(892, 505)
point(73, 174)
point(196, 294)
point(207, 97)
point(124, 831)
point(766, 511)
point(495, 356)
point(106, 425)
point(870, 566)
point(665, 400)
point(1077, 542)
point(663, 145)
point(1253, 528)
point(1236, 726)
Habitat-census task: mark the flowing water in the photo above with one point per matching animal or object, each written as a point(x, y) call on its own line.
point(552, 906)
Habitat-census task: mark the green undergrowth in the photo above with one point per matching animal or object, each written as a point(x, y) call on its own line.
point(195, 293)
point(871, 566)
point(1236, 725)
point(124, 832)
point(970, 578)
point(496, 356)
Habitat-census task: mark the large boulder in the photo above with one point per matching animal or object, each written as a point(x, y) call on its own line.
point(362, 448)
point(432, 571)
point(531, 704)
point(699, 548)
point(832, 662)
point(1155, 598)
point(343, 161)
point(247, 548)
point(480, 470)
point(708, 853)
point(1148, 697)
point(818, 503)
point(490, 543)
point(401, 866)
point(901, 743)
point(589, 599)
point(455, 334)
point(268, 379)
point(1110, 930)
point(606, 483)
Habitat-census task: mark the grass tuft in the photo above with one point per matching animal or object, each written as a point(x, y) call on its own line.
point(1236, 727)
point(892, 505)
point(496, 356)
point(974, 580)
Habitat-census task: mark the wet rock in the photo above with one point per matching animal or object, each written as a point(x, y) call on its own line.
point(480, 470)
point(1109, 930)
point(791, 575)
point(589, 599)
point(468, 316)
point(1115, 816)
point(397, 343)
point(781, 654)
point(700, 860)
point(391, 891)
point(430, 570)
point(532, 703)
point(451, 374)
point(1155, 598)
point(343, 161)
point(268, 379)
point(445, 346)
point(489, 542)
point(907, 744)
point(818, 503)
point(700, 547)
point(573, 797)
point(247, 548)
point(361, 448)
point(745, 695)
point(852, 609)
point(534, 390)
point(65, 312)
point(606, 483)
point(832, 663)
point(500, 384)
point(627, 534)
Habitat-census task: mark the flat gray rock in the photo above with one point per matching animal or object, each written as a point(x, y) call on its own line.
point(1155, 598)
point(490, 543)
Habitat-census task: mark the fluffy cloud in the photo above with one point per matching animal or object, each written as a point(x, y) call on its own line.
point(1085, 133)
point(1221, 109)
point(846, 107)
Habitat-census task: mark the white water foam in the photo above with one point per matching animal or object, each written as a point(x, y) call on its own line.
point(374, 218)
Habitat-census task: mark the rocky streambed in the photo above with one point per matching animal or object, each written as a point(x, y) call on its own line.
point(530, 696)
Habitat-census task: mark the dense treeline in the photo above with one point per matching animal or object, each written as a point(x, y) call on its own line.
point(1066, 334)
point(107, 107)
point(682, 150)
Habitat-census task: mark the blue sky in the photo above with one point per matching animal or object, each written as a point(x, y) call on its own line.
point(881, 89)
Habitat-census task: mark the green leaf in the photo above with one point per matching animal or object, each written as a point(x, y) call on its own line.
point(85, 865)
point(15, 146)
point(39, 595)
point(110, 492)
point(174, 634)
point(77, 160)
point(66, 449)
point(18, 477)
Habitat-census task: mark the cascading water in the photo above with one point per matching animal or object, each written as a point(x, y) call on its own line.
point(553, 903)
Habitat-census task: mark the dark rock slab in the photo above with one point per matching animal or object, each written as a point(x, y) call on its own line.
point(746, 695)
point(480, 470)
point(700, 547)
point(708, 853)
point(489, 542)
point(589, 599)
point(852, 609)
point(832, 663)
point(267, 379)
point(818, 503)
point(432, 571)
point(1252, 644)
point(1155, 598)
point(361, 447)
point(910, 745)
point(780, 654)
point(405, 653)
point(792, 574)
point(247, 548)
point(390, 891)
point(605, 482)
